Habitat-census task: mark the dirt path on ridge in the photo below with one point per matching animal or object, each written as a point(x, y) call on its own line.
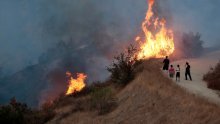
point(199, 67)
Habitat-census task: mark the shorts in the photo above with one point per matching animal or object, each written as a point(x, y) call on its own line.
point(171, 75)
point(165, 67)
point(178, 74)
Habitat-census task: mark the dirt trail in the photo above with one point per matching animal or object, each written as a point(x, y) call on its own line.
point(199, 67)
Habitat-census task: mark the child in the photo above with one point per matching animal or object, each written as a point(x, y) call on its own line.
point(171, 71)
point(178, 73)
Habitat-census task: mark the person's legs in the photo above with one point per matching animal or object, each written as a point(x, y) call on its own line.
point(179, 76)
point(171, 75)
point(190, 76)
point(164, 68)
point(176, 77)
point(186, 75)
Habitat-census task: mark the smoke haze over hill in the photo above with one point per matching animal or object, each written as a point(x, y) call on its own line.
point(29, 28)
point(53, 36)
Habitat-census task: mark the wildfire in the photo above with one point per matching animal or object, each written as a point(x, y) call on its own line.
point(76, 85)
point(158, 41)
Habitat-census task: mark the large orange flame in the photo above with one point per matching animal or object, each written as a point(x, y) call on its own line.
point(76, 85)
point(158, 40)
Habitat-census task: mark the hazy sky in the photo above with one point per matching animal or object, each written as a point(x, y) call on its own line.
point(20, 37)
point(22, 23)
point(198, 16)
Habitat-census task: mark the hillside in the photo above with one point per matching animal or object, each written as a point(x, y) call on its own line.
point(47, 77)
point(150, 98)
point(24, 85)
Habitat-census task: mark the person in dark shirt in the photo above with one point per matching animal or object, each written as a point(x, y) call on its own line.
point(166, 63)
point(187, 73)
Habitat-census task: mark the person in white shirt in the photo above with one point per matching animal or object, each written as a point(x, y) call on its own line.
point(178, 73)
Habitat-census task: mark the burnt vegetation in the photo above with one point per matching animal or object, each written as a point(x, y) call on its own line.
point(213, 78)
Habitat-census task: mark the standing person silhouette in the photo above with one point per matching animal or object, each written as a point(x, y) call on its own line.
point(166, 63)
point(178, 73)
point(187, 73)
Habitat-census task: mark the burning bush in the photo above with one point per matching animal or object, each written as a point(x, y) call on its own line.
point(213, 78)
point(76, 85)
point(122, 69)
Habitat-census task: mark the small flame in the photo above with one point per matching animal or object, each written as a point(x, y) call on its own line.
point(76, 85)
point(158, 41)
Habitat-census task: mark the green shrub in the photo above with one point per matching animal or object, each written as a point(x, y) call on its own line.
point(102, 100)
point(122, 69)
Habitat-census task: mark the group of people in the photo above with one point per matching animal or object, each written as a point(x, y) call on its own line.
point(172, 71)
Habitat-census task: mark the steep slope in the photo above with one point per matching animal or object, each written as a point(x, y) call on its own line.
point(24, 85)
point(151, 98)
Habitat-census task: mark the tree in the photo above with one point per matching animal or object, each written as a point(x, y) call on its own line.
point(192, 45)
point(122, 69)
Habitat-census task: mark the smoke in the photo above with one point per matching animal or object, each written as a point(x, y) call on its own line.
point(162, 10)
point(188, 45)
point(52, 37)
point(93, 32)
point(197, 16)
point(29, 28)
point(42, 39)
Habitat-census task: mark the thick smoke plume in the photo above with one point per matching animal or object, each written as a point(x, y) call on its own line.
point(50, 37)
point(76, 36)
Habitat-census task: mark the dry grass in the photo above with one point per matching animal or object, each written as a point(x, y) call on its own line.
point(151, 98)
point(213, 78)
point(98, 99)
